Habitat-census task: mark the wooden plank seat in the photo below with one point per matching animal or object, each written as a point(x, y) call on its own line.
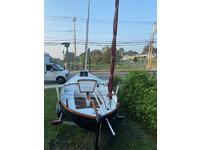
point(80, 102)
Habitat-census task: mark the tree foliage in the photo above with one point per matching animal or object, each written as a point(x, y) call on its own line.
point(146, 49)
point(96, 56)
point(81, 58)
point(106, 55)
point(103, 56)
point(135, 59)
point(119, 54)
point(130, 53)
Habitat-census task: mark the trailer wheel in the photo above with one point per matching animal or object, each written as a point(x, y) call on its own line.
point(60, 80)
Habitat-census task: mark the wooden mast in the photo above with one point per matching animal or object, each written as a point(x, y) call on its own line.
point(113, 50)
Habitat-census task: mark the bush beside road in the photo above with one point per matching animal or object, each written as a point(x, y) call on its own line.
point(138, 98)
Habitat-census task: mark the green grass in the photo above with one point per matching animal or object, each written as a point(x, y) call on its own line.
point(140, 64)
point(129, 135)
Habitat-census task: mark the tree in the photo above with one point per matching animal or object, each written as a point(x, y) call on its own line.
point(57, 61)
point(135, 59)
point(146, 49)
point(119, 54)
point(96, 56)
point(131, 53)
point(106, 55)
point(81, 58)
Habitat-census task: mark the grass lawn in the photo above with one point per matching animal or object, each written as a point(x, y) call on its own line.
point(120, 65)
point(129, 135)
point(140, 64)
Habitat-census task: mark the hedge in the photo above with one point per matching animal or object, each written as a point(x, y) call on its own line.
point(138, 97)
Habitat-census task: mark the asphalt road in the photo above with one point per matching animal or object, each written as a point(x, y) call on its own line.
point(101, 75)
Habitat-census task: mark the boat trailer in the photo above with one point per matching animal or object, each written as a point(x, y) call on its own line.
point(98, 129)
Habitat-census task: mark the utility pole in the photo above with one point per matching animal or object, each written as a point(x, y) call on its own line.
point(66, 44)
point(74, 20)
point(150, 51)
point(64, 63)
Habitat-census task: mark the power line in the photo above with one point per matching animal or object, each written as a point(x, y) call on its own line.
point(96, 32)
point(59, 31)
point(82, 41)
point(102, 43)
point(99, 21)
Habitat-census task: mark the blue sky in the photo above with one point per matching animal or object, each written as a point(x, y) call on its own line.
point(135, 23)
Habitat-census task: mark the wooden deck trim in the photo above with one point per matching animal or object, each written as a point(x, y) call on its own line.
point(77, 113)
point(87, 116)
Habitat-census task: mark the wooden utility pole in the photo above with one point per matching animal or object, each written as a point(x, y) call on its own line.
point(66, 63)
point(74, 20)
point(149, 64)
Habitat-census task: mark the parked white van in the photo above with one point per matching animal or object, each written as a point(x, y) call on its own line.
point(54, 72)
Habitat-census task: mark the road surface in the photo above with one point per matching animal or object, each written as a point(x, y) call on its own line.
point(101, 75)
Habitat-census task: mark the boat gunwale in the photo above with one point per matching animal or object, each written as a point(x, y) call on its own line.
point(85, 115)
point(77, 84)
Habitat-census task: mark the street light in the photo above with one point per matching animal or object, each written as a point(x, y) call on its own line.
point(66, 44)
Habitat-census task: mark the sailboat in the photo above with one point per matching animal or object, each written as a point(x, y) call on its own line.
point(86, 99)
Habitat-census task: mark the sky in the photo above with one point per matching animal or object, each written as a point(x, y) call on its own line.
point(135, 24)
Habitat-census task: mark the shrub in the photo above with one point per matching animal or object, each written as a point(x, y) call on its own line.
point(138, 97)
point(135, 59)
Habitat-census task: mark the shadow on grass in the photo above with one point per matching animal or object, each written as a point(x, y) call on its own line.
point(128, 136)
